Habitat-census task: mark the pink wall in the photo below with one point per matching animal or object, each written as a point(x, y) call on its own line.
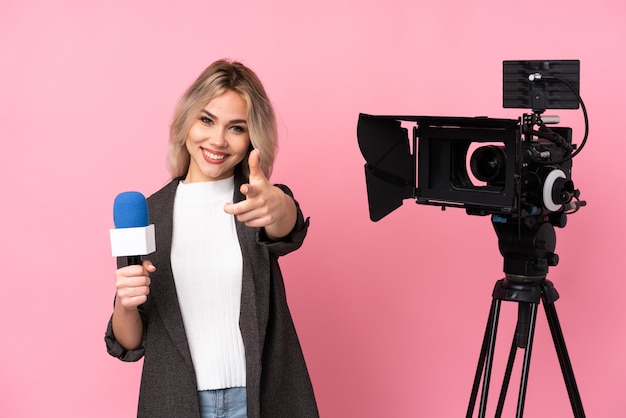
point(391, 314)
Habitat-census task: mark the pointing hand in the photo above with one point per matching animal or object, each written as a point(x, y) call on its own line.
point(265, 205)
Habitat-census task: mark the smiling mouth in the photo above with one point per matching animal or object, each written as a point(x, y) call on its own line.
point(212, 156)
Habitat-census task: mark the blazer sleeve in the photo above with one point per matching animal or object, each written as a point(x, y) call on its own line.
point(294, 239)
point(115, 349)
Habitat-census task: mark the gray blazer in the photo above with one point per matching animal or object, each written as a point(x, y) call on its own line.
point(278, 383)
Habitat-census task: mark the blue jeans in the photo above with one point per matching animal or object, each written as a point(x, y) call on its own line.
point(223, 403)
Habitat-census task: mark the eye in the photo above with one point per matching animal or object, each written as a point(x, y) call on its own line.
point(206, 120)
point(238, 128)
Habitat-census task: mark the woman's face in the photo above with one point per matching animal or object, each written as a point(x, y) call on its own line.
point(218, 139)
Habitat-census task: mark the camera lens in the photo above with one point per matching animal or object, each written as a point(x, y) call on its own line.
point(488, 163)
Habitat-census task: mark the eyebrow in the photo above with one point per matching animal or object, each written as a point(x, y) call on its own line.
point(212, 116)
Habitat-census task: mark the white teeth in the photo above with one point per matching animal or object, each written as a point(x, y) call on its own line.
point(213, 156)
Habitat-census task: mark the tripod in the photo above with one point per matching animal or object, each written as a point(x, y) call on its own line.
point(528, 251)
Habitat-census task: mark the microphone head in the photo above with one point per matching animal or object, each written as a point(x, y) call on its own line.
point(130, 210)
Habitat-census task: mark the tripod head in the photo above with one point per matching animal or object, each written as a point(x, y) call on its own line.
point(528, 246)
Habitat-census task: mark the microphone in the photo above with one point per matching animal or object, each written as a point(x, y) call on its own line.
point(133, 235)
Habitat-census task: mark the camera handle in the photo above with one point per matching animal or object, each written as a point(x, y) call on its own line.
point(525, 283)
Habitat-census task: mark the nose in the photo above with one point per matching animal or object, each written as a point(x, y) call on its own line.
point(218, 138)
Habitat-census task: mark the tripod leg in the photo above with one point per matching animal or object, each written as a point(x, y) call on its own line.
point(481, 364)
point(520, 340)
point(564, 360)
point(526, 367)
point(485, 361)
point(489, 360)
point(507, 375)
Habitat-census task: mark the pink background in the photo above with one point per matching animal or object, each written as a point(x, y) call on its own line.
point(390, 314)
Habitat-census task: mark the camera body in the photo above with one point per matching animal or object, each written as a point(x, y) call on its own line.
point(493, 166)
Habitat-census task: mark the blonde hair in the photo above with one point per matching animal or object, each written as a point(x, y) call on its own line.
point(215, 80)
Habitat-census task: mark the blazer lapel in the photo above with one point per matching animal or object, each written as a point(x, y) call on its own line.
point(163, 287)
point(254, 306)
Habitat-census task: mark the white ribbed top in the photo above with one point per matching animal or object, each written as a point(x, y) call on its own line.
point(207, 267)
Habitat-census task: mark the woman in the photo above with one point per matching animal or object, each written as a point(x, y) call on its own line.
point(208, 312)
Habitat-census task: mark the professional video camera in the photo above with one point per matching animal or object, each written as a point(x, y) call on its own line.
point(519, 171)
